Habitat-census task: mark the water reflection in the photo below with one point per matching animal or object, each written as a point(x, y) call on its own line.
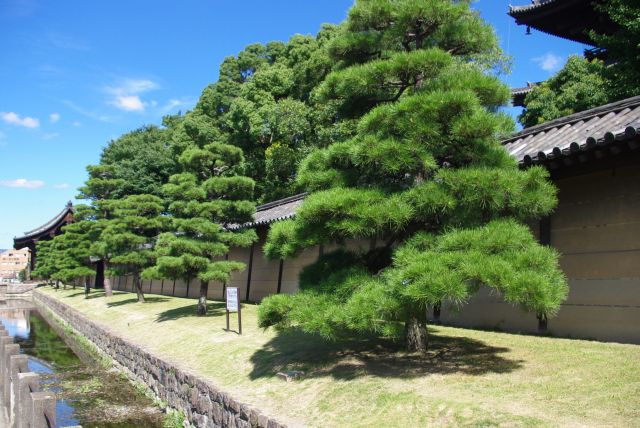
point(86, 394)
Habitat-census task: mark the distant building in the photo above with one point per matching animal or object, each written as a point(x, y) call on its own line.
point(12, 262)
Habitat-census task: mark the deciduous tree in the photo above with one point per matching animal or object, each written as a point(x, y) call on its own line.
point(579, 86)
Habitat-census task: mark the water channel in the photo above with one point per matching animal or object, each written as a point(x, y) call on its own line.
point(87, 393)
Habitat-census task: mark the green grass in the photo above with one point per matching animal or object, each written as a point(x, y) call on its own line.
point(468, 378)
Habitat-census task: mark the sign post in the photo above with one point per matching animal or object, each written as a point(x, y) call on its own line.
point(233, 305)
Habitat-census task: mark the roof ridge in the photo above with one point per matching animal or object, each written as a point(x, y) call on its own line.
point(527, 7)
point(49, 223)
point(575, 117)
point(282, 201)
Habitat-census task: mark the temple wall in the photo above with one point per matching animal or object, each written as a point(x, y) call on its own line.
point(596, 228)
point(265, 274)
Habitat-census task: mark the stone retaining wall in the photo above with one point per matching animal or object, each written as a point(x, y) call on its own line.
point(203, 403)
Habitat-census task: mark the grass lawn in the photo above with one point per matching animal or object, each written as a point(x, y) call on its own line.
point(469, 377)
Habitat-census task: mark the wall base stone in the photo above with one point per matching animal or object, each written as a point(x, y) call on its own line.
point(203, 403)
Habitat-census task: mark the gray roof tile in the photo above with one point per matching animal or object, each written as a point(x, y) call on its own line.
point(281, 209)
point(581, 131)
point(52, 224)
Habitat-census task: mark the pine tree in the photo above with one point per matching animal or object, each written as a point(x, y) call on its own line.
point(425, 177)
point(208, 195)
point(128, 238)
point(70, 252)
point(101, 188)
point(45, 263)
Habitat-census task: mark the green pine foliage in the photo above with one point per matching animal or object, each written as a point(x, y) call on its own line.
point(67, 257)
point(207, 196)
point(424, 176)
point(129, 235)
point(45, 262)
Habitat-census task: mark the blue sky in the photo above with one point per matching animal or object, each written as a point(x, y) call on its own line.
point(76, 74)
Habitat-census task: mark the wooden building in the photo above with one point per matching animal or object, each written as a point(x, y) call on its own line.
point(44, 233)
point(569, 19)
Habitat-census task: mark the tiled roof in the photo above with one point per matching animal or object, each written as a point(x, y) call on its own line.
point(524, 90)
point(51, 224)
point(568, 19)
point(518, 94)
point(535, 4)
point(580, 132)
point(281, 209)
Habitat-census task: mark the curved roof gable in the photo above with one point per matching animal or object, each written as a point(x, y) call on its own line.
point(49, 227)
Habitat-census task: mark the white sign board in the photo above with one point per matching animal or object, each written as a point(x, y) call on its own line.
point(232, 299)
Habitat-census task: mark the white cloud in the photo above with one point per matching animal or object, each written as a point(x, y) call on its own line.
point(61, 186)
point(23, 183)
point(549, 62)
point(15, 119)
point(77, 124)
point(125, 95)
point(50, 136)
point(128, 103)
point(54, 117)
point(137, 86)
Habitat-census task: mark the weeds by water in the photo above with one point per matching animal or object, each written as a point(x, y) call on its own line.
point(99, 393)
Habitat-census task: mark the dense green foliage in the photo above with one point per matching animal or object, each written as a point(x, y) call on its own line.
point(622, 47)
point(67, 257)
point(208, 195)
point(424, 176)
point(584, 84)
point(579, 86)
point(129, 236)
point(262, 104)
point(142, 159)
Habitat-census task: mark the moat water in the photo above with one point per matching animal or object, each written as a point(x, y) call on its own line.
point(87, 393)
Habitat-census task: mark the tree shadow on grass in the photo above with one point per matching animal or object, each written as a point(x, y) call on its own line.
point(150, 299)
point(92, 295)
point(214, 309)
point(345, 360)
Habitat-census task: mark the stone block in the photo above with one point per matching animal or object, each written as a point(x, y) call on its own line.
point(43, 410)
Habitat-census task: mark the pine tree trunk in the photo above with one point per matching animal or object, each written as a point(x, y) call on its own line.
point(416, 334)
point(99, 279)
point(108, 291)
point(86, 287)
point(138, 282)
point(437, 308)
point(202, 300)
point(542, 323)
point(57, 284)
